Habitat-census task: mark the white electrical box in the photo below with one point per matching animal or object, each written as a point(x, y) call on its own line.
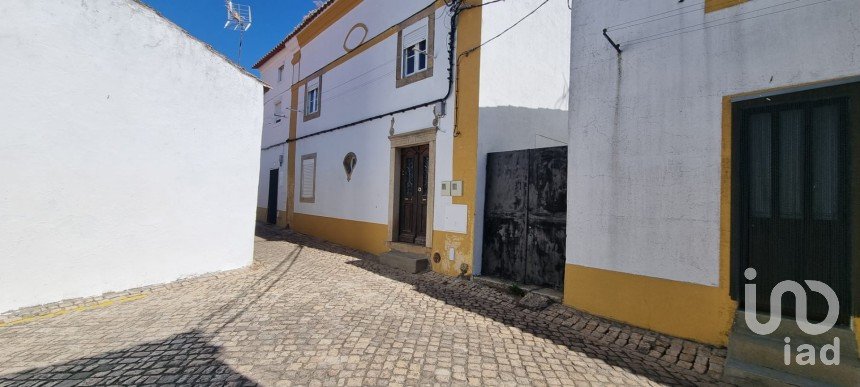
point(446, 188)
point(457, 188)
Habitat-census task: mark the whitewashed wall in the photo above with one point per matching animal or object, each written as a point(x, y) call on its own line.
point(362, 87)
point(523, 87)
point(645, 137)
point(275, 132)
point(128, 152)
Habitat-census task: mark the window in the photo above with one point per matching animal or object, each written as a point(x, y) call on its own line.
point(313, 98)
point(415, 58)
point(415, 49)
point(278, 112)
point(280, 73)
point(307, 189)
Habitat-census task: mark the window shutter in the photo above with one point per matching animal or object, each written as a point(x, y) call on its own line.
point(415, 33)
point(313, 84)
point(308, 178)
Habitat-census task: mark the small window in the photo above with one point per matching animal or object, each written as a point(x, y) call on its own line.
point(280, 73)
point(415, 58)
point(313, 98)
point(307, 190)
point(415, 50)
point(278, 112)
point(313, 101)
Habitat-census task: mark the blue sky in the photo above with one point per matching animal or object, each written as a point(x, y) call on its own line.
point(272, 21)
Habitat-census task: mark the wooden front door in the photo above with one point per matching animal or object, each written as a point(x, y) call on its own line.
point(412, 206)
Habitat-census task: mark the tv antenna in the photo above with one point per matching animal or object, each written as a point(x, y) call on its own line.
point(238, 19)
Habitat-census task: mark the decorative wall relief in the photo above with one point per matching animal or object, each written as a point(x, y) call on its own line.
point(349, 162)
point(355, 37)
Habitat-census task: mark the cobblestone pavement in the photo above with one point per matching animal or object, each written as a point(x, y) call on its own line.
point(311, 313)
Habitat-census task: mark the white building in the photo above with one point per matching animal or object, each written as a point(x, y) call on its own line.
point(718, 139)
point(128, 152)
point(372, 82)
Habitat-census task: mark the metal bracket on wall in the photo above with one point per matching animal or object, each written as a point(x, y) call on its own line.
point(616, 46)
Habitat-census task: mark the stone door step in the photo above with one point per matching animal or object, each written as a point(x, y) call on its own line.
point(409, 262)
point(760, 360)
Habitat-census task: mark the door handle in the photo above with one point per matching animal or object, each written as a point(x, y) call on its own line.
point(419, 189)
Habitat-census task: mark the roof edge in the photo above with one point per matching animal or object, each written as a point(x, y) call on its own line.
point(207, 46)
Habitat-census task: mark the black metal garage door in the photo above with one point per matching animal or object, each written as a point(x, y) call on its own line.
point(525, 216)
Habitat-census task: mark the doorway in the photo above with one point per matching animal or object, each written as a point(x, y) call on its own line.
point(525, 216)
point(412, 200)
point(793, 201)
point(272, 214)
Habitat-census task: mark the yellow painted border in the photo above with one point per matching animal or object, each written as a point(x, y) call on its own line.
point(691, 311)
point(465, 153)
point(697, 312)
point(716, 5)
point(325, 20)
point(364, 236)
point(81, 308)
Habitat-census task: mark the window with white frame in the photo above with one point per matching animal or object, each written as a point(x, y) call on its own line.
point(307, 189)
point(312, 98)
point(415, 50)
point(280, 73)
point(415, 58)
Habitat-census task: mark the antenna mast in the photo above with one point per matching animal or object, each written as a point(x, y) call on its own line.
point(238, 19)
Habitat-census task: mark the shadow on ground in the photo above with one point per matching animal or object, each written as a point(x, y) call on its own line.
point(503, 308)
point(187, 358)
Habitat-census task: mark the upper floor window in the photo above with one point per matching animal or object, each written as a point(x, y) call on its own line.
point(281, 73)
point(415, 49)
point(313, 98)
point(278, 112)
point(415, 58)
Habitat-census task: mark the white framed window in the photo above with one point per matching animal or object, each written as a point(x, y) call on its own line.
point(415, 50)
point(307, 183)
point(313, 101)
point(313, 98)
point(280, 74)
point(415, 58)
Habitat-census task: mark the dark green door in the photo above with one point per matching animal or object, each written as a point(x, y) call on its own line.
point(794, 200)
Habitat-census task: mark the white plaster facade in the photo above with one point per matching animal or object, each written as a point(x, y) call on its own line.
point(276, 125)
point(524, 85)
point(361, 87)
point(128, 152)
point(523, 102)
point(645, 127)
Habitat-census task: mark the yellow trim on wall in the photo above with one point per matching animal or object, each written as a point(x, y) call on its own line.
point(716, 5)
point(379, 38)
point(696, 312)
point(364, 236)
point(262, 214)
point(323, 21)
point(692, 311)
point(856, 328)
point(465, 153)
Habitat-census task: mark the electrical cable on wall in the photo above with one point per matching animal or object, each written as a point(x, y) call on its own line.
point(455, 5)
point(353, 78)
point(473, 49)
point(706, 25)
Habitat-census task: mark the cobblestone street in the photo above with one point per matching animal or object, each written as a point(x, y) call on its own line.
point(311, 313)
